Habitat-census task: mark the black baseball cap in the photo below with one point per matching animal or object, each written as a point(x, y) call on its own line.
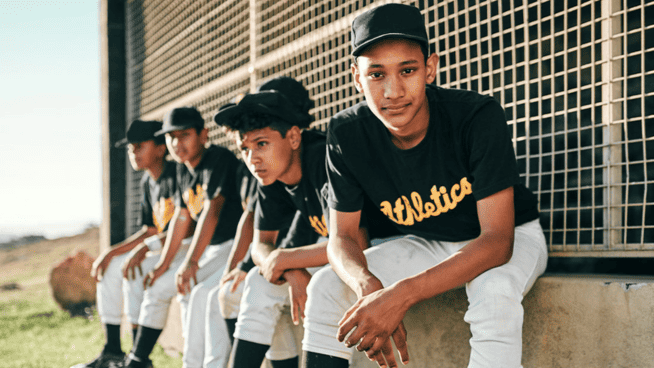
point(271, 103)
point(292, 89)
point(181, 118)
point(141, 131)
point(388, 21)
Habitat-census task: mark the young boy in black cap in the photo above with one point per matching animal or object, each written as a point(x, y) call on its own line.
point(440, 164)
point(289, 164)
point(146, 152)
point(208, 206)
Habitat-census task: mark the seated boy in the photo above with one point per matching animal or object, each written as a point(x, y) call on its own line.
point(208, 205)
point(290, 166)
point(440, 164)
point(145, 152)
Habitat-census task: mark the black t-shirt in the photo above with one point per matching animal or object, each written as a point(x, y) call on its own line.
point(215, 175)
point(158, 198)
point(277, 203)
point(429, 190)
point(247, 186)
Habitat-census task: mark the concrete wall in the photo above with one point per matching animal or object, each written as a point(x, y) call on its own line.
point(570, 321)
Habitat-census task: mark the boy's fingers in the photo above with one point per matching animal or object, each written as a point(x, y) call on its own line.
point(399, 338)
point(140, 272)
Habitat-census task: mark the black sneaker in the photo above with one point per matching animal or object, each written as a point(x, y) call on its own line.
point(131, 361)
point(104, 360)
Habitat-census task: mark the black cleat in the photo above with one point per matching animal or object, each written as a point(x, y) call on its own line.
point(104, 360)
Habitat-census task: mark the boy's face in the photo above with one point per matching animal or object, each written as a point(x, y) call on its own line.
point(267, 155)
point(392, 75)
point(187, 146)
point(144, 155)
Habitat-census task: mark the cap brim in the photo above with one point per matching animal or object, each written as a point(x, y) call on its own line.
point(121, 143)
point(357, 51)
point(227, 114)
point(172, 129)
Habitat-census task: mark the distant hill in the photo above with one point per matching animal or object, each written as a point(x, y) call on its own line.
point(16, 242)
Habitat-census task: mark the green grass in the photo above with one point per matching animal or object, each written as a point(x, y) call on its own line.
point(35, 333)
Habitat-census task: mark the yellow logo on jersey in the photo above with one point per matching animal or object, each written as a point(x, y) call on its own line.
point(319, 225)
point(194, 200)
point(162, 212)
point(416, 210)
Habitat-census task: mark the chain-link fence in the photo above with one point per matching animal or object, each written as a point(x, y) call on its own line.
point(576, 79)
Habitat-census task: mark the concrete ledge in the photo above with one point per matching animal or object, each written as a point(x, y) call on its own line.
point(570, 321)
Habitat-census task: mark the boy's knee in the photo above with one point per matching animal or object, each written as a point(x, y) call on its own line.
point(228, 301)
point(324, 284)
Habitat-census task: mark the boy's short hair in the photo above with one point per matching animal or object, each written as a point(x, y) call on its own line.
point(181, 118)
point(260, 110)
point(141, 131)
point(389, 21)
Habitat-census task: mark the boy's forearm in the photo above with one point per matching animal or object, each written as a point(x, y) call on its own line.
point(476, 257)
point(204, 230)
point(242, 240)
point(314, 255)
point(348, 261)
point(179, 227)
point(135, 239)
point(260, 252)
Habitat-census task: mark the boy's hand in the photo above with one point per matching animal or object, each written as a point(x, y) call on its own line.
point(133, 262)
point(372, 321)
point(271, 270)
point(153, 275)
point(235, 274)
point(297, 279)
point(184, 275)
point(100, 265)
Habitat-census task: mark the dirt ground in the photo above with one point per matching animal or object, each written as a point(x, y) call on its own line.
point(29, 265)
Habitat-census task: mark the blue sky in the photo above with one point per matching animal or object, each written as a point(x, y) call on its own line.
point(50, 154)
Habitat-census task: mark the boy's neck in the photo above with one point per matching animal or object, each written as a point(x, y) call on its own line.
point(156, 170)
point(293, 175)
point(413, 137)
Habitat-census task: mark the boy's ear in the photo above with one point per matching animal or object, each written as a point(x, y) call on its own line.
point(204, 136)
point(294, 135)
point(431, 66)
point(356, 74)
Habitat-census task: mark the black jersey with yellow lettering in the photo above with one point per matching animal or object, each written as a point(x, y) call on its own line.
point(430, 190)
point(215, 175)
point(158, 198)
point(278, 202)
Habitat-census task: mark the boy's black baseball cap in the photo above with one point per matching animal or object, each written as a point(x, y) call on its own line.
point(141, 131)
point(292, 89)
point(388, 21)
point(181, 118)
point(272, 103)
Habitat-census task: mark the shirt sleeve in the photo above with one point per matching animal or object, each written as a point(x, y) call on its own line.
point(491, 157)
point(345, 193)
point(220, 175)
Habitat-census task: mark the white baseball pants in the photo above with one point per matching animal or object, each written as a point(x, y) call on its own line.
point(495, 312)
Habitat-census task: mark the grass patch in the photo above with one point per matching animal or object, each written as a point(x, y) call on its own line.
point(35, 333)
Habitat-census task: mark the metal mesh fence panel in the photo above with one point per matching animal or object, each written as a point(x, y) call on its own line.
point(575, 78)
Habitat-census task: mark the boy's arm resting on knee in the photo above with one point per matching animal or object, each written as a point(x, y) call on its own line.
point(314, 255)
point(264, 255)
point(493, 248)
point(242, 240)
point(204, 229)
point(179, 228)
point(345, 252)
point(100, 264)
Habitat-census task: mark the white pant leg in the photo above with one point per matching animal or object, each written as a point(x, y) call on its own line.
point(133, 290)
point(157, 298)
point(329, 297)
point(495, 313)
point(221, 304)
point(108, 292)
point(194, 306)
